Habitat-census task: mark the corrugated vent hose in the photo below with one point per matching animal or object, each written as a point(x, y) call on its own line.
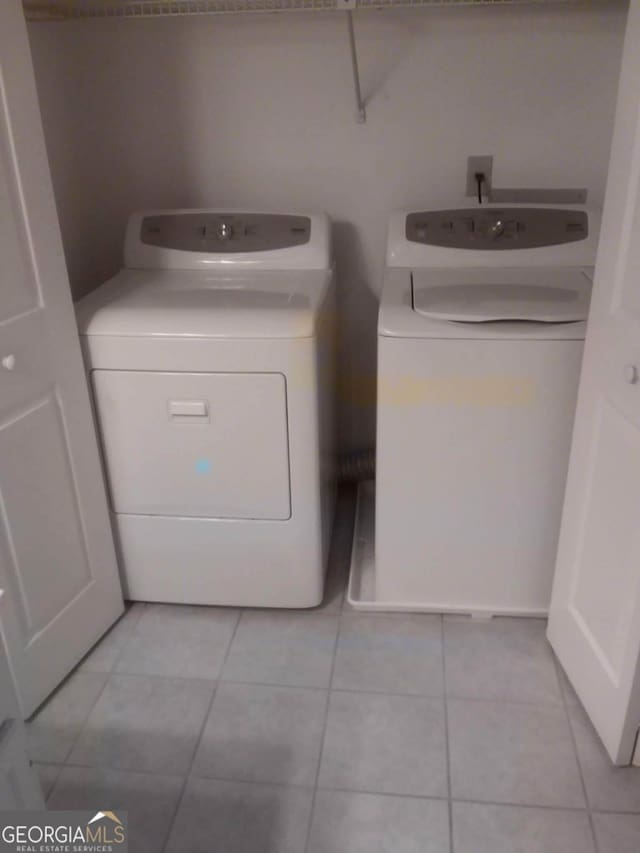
point(357, 466)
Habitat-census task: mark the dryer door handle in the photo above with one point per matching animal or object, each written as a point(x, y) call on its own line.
point(188, 409)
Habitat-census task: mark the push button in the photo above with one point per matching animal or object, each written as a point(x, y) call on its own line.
point(465, 225)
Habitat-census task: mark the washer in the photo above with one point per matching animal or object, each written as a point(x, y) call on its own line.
point(480, 338)
point(211, 364)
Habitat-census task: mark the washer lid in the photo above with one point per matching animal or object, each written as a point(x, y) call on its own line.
point(489, 295)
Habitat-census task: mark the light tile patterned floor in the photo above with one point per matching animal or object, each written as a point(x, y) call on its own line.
point(331, 731)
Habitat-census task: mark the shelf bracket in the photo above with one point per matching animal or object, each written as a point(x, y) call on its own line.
point(349, 6)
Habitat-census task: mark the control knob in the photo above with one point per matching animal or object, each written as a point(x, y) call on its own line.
point(496, 229)
point(225, 231)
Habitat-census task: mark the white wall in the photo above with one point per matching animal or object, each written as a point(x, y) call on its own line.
point(259, 112)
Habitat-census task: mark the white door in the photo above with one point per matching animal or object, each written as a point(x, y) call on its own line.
point(57, 561)
point(594, 623)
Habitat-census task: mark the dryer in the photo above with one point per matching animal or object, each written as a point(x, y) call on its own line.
point(210, 358)
point(480, 337)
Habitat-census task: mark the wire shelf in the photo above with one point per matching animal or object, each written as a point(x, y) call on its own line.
point(65, 10)
point(62, 10)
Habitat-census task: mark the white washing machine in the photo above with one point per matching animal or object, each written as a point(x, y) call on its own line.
point(480, 338)
point(211, 364)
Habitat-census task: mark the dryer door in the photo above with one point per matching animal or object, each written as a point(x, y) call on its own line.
point(195, 444)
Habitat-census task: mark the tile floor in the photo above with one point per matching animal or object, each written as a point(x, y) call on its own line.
point(330, 731)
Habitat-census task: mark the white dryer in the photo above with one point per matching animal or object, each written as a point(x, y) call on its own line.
point(480, 338)
point(211, 364)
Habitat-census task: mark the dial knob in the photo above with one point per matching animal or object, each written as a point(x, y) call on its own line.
point(496, 229)
point(225, 231)
point(631, 374)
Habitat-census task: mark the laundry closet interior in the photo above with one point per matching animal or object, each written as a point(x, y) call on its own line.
point(285, 165)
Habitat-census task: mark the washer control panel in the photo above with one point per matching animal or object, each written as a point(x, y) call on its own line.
point(497, 228)
point(225, 232)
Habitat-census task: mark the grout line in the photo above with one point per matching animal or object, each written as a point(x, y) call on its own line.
point(297, 612)
point(342, 790)
point(299, 686)
point(514, 805)
point(446, 734)
point(155, 676)
point(319, 687)
point(82, 727)
point(233, 780)
point(199, 739)
point(433, 697)
point(59, 768)
point(324, 734)
point(109, 768)
point(141, 607)
point(565, 705)
point(614, 811)
point(275, 684)
point(550, 706)
point(466, 800)
point(337, 789)
point(185, 780)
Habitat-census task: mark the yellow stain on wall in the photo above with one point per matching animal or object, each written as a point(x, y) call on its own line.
point(479, 391)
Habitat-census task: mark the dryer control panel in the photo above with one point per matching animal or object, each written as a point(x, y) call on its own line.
point(224, 232)
point(207, 239)
point(497, 228)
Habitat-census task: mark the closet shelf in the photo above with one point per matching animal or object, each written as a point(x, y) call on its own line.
point(64, 10)
point(61, 10)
